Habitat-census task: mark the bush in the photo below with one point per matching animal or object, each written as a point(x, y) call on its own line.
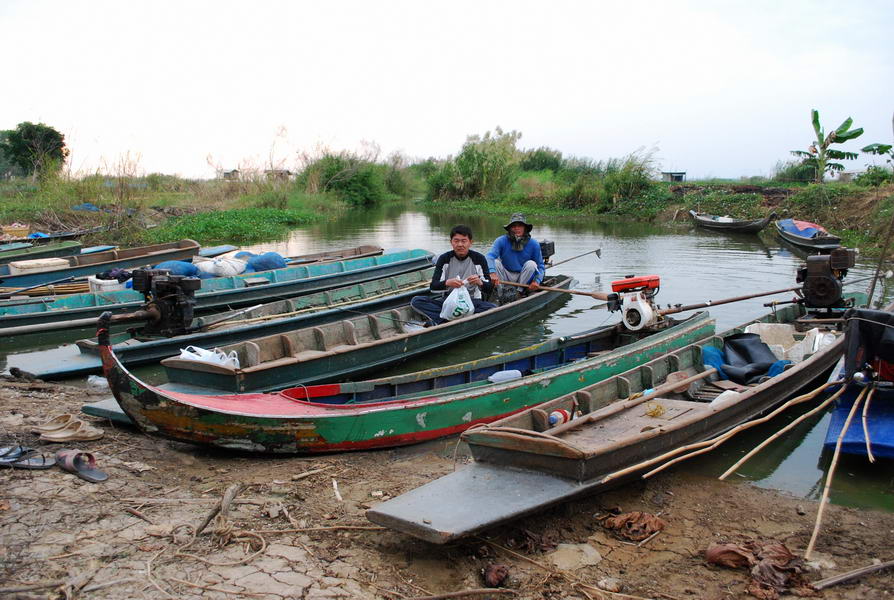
point(486, 167)
point(875, 176)
point(356, 181)
point(819, 197)
point(793, 172)
point(541, 159)
point(240, 225)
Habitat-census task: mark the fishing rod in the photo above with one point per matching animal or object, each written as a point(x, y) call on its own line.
point(597, 252)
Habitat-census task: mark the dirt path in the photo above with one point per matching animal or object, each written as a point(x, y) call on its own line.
point(287, 535)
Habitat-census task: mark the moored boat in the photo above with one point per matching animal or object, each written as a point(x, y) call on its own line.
point(27, 251)
point(135, 347)
point(352, 346)
point(807, 235)
point(611, 431)
point(56, 236)
point(730, 225)
point(42, 271)
point(397, 410)
point(73, 312)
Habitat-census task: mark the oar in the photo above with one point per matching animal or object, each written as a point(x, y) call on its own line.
point(597, 252)
point(32, 287)
point(677, 309)
point(597, 295)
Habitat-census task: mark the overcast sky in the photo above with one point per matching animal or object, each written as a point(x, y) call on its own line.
point(714, 88)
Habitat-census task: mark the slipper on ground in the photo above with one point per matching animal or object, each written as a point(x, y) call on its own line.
point(31, 460)
point(9, 454)
point(76, 431)
point(82, 464)
point(56, 423)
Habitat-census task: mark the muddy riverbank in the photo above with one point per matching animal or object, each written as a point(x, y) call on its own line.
point(292, 533)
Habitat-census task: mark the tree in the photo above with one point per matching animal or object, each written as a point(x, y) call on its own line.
point(818, 155)
point(7, 167)
point(34, 147)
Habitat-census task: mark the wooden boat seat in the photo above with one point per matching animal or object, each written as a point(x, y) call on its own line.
point(307, 355)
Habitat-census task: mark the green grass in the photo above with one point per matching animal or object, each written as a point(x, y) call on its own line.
point(244, 225)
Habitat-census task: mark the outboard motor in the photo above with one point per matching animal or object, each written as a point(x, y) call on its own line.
point(821, 278)
point(171, 299)
point(547, 249)
point(635, 300)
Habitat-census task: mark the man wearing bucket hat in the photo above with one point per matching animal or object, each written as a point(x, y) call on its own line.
point(516, 256)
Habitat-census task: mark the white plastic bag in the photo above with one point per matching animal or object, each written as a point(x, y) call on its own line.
point(215, 356)
point(458, 304)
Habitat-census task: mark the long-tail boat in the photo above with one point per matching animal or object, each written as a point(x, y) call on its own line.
point(76, 311)
point(134, 347)
point(28, 251)
point(605, 433)
point(397, 410)
point(806, 235)
point(41, 271)
point(343, 348)
point(729, 224)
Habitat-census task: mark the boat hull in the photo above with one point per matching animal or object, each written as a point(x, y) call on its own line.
point(30, 251)
point(879, 422)
point(276, 423)
point(819, 243)
point(737, 226)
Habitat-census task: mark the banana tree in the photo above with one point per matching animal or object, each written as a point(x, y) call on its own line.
point(819, 155)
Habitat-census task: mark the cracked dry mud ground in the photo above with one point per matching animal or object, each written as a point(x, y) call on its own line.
point(132, 536)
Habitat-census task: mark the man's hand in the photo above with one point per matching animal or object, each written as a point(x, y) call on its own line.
point(475, 280)
point(495, 279)
point(456, 282)
point(533, 286)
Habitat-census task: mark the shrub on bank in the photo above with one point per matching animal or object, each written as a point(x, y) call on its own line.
point(239, 225)
point(356, 181)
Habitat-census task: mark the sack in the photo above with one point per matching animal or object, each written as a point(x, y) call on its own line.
point(458, 304)
point(215, 356)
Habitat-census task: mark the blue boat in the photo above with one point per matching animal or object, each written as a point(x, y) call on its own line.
point(246, 289)
point(809, 236)
point(866, 365)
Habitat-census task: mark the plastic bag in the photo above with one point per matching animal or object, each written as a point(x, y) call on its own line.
point(216, 356)
point(458, 304)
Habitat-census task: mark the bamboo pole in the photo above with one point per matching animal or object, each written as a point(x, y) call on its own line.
point(677, 309)
point(825, 498)
point(596, 295)
point(866, 425)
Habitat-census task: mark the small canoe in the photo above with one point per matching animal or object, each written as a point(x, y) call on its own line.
point(865, 331)
point(729, 224)
point(599, 436)
point(45, 270)
point(59, 235)
point(237, 291)
point(397, 410)
point(343, 348)
point(273, 318)
point(807, 235)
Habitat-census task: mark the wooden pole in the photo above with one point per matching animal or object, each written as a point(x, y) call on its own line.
point(677, 309)
point(596, 295)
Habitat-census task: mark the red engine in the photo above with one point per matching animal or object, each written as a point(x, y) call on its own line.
point(634, 284)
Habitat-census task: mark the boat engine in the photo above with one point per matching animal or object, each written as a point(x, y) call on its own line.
point(821, 278)
point(170, 299)
point(634, 298)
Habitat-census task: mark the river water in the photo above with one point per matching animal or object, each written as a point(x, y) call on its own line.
point(694, 266)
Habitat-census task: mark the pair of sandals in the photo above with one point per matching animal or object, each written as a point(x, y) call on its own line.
point(82, 464)
point(67, 428)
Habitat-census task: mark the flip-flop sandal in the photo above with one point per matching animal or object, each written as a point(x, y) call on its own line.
point(11, 454)
point(82, 464)
point(31, 461)
point(56, 423)
point(76, 431)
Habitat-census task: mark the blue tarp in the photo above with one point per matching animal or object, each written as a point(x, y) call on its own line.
point(803, 229)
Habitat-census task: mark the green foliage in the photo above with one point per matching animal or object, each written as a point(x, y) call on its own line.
point(793, 172)
point(875, 176)
point(8, 168)
point(818, 198)
point(727, 202)
point(541, 159)
point(240, 225)
point(35, 148)
point(487, 166)
point(819, 155)
point(356, 181)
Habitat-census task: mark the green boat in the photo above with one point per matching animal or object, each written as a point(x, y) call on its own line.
point(25, 251)
point(134, 348)
point(76, 311)
point(398, 410)
point(352, 346)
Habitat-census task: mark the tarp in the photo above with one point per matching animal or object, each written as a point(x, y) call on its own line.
point(802, 228)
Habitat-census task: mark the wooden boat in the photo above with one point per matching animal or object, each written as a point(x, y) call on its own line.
point(59, 235)
point(807, 235)
point(730, 225)
point(352, 346)
point(42, 271)
point(874, 372)
point(27, 251)
point(34, 315)
point(397, 410)
point(273, 318)
point(524, 463)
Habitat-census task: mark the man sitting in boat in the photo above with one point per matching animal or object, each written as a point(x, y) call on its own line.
point(516, 257)
point(453, 269)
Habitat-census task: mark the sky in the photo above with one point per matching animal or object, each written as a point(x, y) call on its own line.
point(714, 88)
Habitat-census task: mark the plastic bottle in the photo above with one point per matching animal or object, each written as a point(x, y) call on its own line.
point(501, 376)
point(557, 417)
